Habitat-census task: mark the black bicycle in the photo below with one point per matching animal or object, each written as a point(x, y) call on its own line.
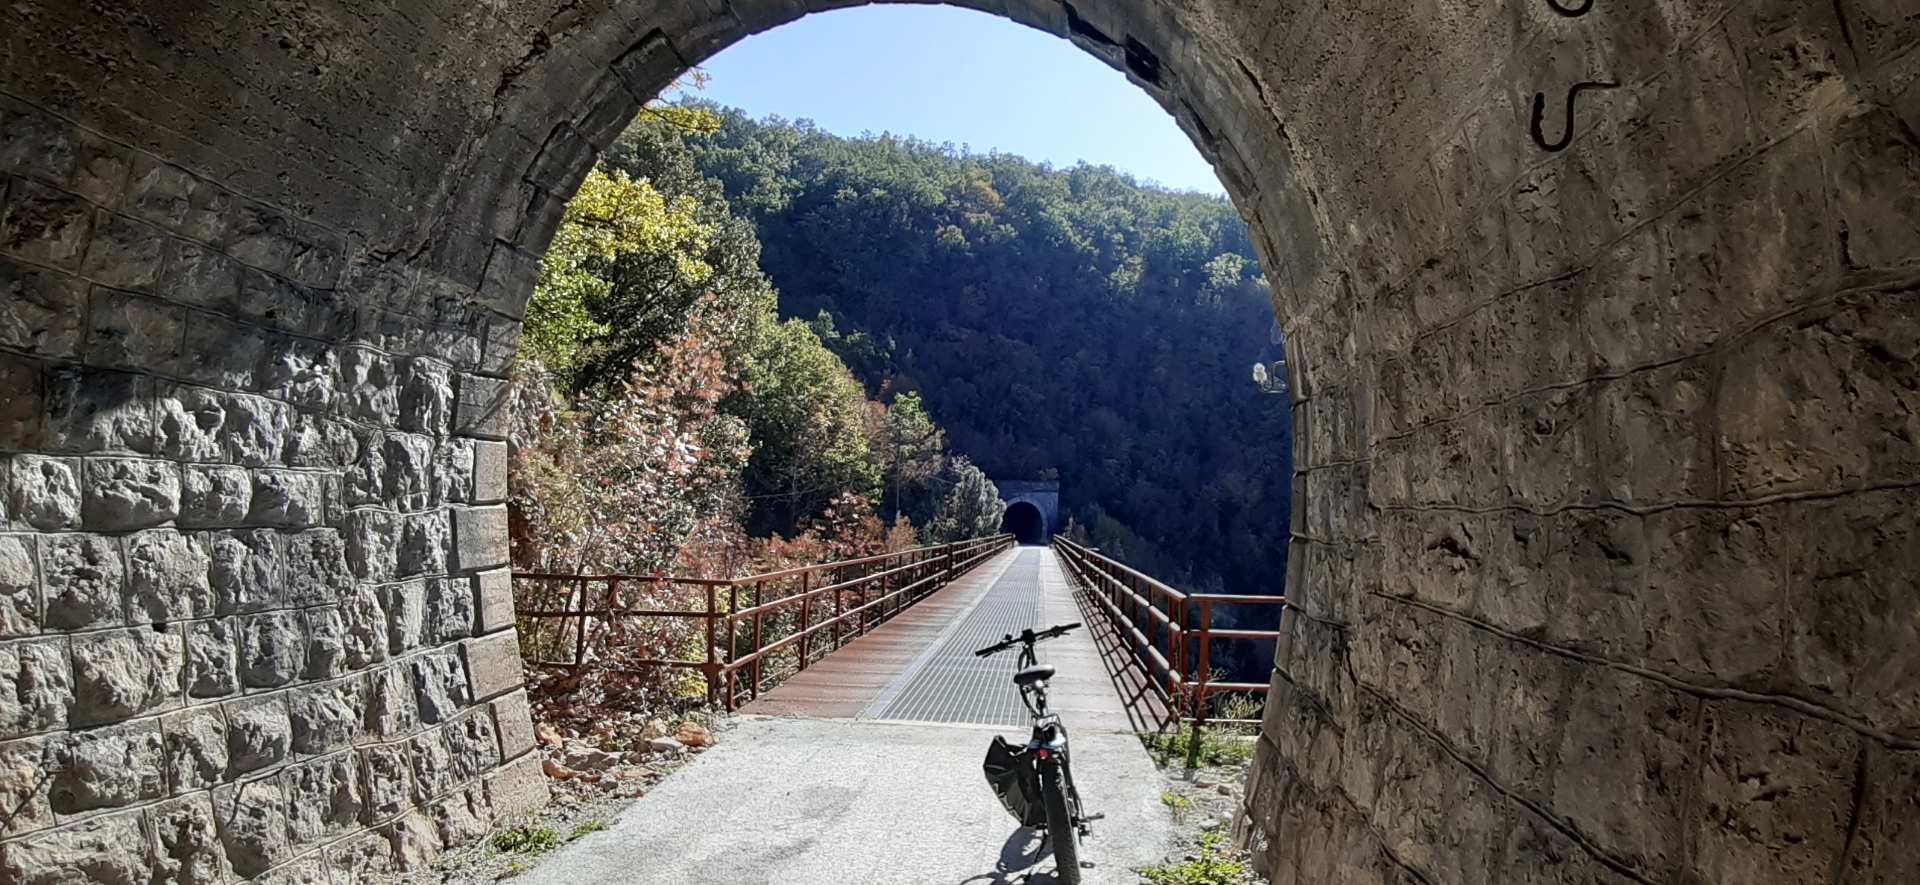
point(1035, 782)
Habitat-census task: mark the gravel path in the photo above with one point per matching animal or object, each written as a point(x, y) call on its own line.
point(831, 802)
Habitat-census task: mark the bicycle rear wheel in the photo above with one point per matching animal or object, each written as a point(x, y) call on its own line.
point(1060, 828)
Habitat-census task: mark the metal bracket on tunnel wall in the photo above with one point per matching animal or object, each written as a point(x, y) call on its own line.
point(1571, 11)
point(1271, 379)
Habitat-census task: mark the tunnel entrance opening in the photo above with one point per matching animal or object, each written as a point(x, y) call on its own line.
point(1024, 522)
point(273, 336)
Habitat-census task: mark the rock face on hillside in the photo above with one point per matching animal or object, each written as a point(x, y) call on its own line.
point(1604, 533)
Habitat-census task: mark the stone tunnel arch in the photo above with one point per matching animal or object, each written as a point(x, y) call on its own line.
point(1042, 497)
point(1601, 499)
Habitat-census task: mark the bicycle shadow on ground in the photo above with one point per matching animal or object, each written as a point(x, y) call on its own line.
point(1023, 848)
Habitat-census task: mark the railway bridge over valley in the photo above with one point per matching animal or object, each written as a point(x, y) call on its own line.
point(860, 761)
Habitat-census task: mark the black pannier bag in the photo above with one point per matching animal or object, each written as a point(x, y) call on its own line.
point(1013, 781)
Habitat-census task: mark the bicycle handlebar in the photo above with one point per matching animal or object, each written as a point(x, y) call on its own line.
point(1027, 637)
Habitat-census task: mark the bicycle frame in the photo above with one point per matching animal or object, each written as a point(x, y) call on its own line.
point(1048, 744)
point(1033, 696)
point(1041, 771)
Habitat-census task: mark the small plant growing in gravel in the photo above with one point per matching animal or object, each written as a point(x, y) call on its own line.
point(528, 839)
point(512, 869)
point(594, 825)
point(1215, 864)
point(1216, 747)
point(1240, 706)
point(1179, 803)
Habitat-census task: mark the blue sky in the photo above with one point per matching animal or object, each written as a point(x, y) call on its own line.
point(955, 75)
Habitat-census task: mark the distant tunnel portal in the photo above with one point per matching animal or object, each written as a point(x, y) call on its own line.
point(1025, 522)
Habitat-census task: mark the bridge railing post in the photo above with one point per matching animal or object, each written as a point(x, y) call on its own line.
point(888, 581)
point(713, 647)
point(1200, 684)
point(759, 621)
point(875, 581)
point(806, 618)
point(733, 644)
point(1179, 628)
point(580, 631)
point(916, 570)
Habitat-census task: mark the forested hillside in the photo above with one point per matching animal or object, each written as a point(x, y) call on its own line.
point(667, 420)
point(1067, 322)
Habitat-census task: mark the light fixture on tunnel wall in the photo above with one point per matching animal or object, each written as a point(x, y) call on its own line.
point(1271, 379)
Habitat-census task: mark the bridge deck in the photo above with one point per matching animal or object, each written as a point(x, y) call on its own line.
point(829, 786)
point(920, 667)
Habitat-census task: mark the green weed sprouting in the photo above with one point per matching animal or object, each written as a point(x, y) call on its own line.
point(1216, 864)
point(527, 839)
point(1217, 747)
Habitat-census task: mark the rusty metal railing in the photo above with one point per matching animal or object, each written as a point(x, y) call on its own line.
point(1168, 634)
point(791, 617)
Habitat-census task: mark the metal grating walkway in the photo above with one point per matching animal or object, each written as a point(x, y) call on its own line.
point(948, 683)
point(919, 666)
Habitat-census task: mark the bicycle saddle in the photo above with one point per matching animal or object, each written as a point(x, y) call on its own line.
point(1033, 674)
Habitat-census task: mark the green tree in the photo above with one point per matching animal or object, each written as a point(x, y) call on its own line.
point(630, 262)
point(623, 272)
point(972, 509)
point(915, 453)
point(806, 415)
point(1225, 273)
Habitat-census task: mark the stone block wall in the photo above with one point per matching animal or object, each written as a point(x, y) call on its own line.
point(254, 621)
point(1604, 538)
point(1605, 564)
